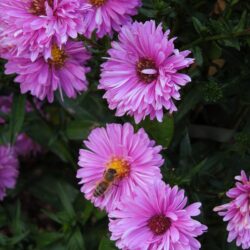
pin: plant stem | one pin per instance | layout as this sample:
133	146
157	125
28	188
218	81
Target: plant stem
217	37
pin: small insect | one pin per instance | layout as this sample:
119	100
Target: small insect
108	178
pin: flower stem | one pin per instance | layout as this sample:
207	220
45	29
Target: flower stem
217	37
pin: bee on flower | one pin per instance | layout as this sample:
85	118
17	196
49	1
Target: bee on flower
117	160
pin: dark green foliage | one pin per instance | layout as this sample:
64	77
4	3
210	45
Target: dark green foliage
206	143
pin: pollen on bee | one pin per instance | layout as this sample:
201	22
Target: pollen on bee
121	166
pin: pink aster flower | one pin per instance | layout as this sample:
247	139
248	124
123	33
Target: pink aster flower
65	72
237	212
5	106
25	146
116	162
141	76
6	42
8	170
157	218
104	16
35	24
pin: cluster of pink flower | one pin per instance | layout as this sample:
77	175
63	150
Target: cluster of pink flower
140	76
37	40
23	147
120	172
120	169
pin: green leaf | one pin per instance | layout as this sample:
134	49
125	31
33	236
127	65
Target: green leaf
233	2
49	138
147	12
3	240
17	238
79	129
198	55
76	241
17	224
87	212
75	108
66	201
232	246
200	168
215	51
106	244
161	132
242	23
185	147
53	216
199	27
45	239
188	103
17	116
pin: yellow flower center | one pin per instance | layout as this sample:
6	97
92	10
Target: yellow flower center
58	57
97	3
121	166
37	7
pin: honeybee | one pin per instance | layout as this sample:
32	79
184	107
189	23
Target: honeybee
108	178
